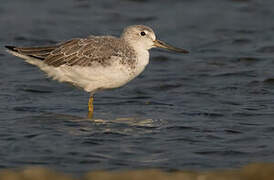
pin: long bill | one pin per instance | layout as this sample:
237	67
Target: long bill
161	44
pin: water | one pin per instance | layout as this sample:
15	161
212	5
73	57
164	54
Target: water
210	109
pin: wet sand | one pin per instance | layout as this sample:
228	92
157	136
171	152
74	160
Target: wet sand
255	171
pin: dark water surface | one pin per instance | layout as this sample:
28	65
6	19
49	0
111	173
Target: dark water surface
213	108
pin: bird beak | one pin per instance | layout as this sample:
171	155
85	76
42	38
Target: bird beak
161	44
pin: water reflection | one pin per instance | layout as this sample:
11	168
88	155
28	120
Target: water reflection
77	125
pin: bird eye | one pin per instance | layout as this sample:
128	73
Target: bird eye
143	33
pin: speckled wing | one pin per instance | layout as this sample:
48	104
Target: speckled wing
86	52
35	52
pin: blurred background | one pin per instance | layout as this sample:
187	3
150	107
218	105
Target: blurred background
212	108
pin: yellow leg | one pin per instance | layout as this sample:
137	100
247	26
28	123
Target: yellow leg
90	107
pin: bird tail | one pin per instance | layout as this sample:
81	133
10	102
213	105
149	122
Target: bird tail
32	55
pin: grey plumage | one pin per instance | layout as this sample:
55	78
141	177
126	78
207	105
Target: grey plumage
83	52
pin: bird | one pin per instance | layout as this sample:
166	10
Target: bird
96	63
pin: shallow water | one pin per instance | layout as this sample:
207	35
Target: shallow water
212	108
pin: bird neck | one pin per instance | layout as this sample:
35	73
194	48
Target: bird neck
141	52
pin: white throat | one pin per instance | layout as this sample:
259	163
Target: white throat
143	59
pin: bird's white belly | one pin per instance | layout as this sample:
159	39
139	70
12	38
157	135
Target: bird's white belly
93	78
